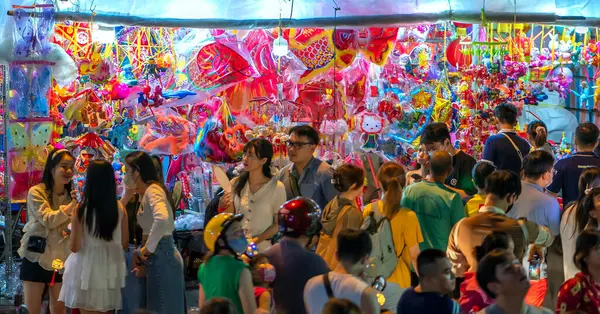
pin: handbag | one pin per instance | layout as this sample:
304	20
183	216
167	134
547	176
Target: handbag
36	244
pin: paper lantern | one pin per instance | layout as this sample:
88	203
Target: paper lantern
455	56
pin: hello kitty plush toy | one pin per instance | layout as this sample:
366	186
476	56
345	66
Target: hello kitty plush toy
371	125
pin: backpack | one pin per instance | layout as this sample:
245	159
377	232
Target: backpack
383	257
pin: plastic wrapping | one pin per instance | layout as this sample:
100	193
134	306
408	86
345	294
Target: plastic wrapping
30	82
168	134
27	155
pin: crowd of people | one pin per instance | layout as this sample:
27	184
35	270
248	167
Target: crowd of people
453	235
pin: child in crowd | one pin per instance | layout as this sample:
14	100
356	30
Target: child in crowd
481	171
263	275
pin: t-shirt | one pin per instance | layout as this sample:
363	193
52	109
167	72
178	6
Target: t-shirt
567	172
406	232
472	297
220	278
294	266
474	204
538	207
438	209
343	286
527	309
461	176
426	302
501	152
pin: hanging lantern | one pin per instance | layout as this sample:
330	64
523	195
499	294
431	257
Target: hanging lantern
456	55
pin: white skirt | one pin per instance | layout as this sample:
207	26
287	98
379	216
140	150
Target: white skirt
93	278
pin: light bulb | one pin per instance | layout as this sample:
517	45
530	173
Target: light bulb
280	46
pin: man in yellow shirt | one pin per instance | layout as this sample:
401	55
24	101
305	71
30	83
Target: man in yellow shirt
481	171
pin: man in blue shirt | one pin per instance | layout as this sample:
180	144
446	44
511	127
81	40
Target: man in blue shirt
436	281
544	210
534	204
506	149
306	176
567	171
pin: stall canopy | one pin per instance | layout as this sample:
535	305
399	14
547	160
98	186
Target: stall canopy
321	13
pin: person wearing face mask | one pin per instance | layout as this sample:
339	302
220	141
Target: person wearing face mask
544	210
502	188
263	275
344	282
257	194
223	274
50	205
502	277
158	260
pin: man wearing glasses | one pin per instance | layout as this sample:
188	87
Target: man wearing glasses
306	176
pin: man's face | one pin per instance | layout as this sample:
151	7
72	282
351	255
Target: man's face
511	278
422	156
444	279
300	148
437	146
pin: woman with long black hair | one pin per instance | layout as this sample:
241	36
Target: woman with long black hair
49	208
257	194
95	272
156	216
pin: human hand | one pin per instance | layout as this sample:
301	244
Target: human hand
225	200
144	254
74	196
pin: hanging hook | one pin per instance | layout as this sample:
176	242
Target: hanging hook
93	7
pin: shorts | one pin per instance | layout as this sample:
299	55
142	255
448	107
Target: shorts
33	272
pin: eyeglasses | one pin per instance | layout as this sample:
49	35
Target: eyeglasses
297	145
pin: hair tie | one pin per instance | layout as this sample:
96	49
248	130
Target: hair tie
588	190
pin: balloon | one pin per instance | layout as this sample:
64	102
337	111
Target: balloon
119	91
455	56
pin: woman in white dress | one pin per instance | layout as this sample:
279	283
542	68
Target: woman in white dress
95	272
257	194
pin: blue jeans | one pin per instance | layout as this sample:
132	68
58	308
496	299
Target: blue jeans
134	293
165	285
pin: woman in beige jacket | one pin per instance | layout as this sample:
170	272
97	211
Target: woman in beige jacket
45	244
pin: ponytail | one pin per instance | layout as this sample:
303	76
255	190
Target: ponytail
393	195
392	177
541	136
538	133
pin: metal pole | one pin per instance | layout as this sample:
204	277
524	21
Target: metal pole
8	222
322	22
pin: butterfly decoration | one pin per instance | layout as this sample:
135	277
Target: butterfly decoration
29	88
33	34
27	155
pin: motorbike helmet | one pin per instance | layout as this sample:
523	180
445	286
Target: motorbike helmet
300	216
217	227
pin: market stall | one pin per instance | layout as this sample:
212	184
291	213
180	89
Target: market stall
193	81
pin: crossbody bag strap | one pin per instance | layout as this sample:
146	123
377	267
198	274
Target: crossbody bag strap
327	285
515	146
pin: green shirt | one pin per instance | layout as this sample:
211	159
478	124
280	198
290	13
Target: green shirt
438	209
220	278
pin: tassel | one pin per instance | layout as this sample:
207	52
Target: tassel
57	265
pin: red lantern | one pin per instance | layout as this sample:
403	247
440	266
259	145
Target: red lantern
455	56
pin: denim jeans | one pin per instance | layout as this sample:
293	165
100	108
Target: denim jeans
165	285
134	293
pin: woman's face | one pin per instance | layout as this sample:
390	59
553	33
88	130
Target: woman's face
234	231
131	176
63	171
251	161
